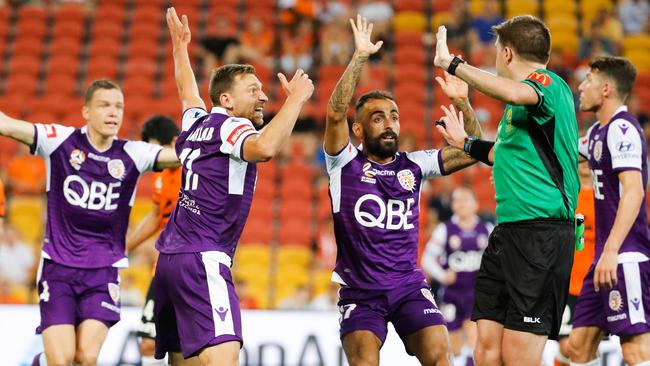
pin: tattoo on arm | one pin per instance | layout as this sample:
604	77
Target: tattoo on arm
344	91
454	159
472	125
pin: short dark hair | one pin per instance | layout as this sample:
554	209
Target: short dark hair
161	128
527	35
619	69
374	94
96	85
223	78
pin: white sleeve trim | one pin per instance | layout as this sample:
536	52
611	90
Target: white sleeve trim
234	131
191	115
143	154
428	161
48	137
333	162
625	146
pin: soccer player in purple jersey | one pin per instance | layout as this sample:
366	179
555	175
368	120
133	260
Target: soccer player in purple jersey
91	180
375	192
196	309
615	296
453	257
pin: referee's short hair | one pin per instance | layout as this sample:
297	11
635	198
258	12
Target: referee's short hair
527	35
618	69
223	79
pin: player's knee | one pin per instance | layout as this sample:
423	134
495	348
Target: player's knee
60	358
85	358
147	347
486	355
564	347
632	353
579	350
363	359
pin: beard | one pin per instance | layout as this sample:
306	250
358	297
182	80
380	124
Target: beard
383	150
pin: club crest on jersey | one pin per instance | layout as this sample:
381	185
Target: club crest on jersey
454	242
116	168
406	179
429	296
598	150
615	301
77	157
114	292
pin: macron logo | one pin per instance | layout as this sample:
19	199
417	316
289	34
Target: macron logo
528	319
623	128
237	132
222	312
636	302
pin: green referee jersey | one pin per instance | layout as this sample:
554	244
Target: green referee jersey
524	188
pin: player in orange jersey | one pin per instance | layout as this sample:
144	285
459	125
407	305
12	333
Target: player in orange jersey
163	131
581	262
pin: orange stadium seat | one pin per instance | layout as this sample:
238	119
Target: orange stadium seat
32	12
42	117
139	66
409	21
411	73
257	231
22	84
101	67
150	31
296	232
440	6
138	85
296	208
105	48
410	5
410	55
520	7
68	29
32	27
107	29
408	38
65	46
562	23
413	91
62	64
25	45
558	7
62	84
148	13
111	12
143	48
70	12
637	42
51	102
297	171
253	254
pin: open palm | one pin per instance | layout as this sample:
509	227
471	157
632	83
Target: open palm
454	87
362	31
178	29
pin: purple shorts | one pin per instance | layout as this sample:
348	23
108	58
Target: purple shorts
456	307
409	307
68	295
623	310
195	304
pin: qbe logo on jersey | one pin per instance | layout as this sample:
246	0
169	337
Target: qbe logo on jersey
93	196
371	211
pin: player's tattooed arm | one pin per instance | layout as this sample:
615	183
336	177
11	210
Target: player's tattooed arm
336	127
188	90
453	157
16	129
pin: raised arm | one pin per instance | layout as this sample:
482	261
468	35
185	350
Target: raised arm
16	129
179	31
503	89
458	91
336	126
269	142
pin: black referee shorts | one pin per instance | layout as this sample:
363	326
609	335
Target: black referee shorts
523	281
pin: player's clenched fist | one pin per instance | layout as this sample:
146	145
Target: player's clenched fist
300	87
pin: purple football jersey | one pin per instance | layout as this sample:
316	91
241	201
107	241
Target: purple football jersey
462	252
615	147
376	210
217	184
89	194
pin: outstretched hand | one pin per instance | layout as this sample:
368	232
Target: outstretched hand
362	31
443	57
300	86
179	29
453	129
454	87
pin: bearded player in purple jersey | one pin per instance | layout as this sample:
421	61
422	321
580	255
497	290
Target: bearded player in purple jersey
91	180
453	257
375	193
615	296
196	311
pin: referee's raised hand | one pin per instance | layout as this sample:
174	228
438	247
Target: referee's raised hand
362	31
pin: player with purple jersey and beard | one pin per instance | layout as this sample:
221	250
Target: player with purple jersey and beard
615	296
196	308
91	180
375	193
453	257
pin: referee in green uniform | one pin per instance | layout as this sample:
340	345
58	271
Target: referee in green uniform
523	282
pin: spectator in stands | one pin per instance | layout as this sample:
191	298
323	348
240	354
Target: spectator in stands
378	12
257	42
25	173
611	26
16	258
483	23
246	299
220	47
634	15
333	9
297	44
596	43
327	300
458	27
335	43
